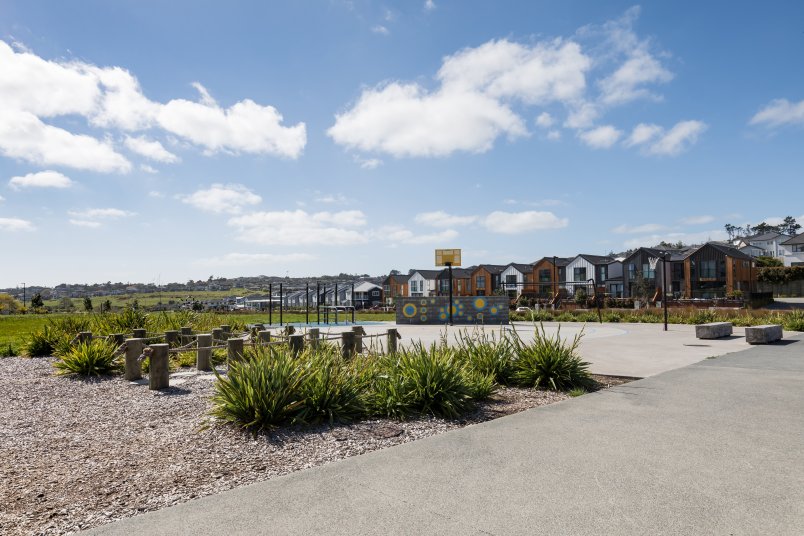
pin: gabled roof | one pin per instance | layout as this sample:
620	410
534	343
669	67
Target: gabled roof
366	286
723	248
763	236
675	254
560	261
457	273
594	259
798	239
494	269
521	268
427	274
399	279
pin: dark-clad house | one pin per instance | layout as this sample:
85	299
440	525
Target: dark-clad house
461	282
716	270
640	280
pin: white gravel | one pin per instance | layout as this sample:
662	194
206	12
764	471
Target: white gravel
76	453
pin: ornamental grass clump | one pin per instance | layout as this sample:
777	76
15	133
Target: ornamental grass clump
422	380
260	392
486	355
332	390
794	321
92	358
550	362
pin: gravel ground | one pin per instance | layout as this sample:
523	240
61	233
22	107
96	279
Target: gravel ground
81	453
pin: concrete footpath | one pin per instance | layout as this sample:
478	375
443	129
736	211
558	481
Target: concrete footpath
712	448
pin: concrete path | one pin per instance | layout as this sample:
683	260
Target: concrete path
711	448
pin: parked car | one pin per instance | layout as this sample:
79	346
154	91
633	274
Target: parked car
523	309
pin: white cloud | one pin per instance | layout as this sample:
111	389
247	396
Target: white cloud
42	179
645	228
643	133
245	259
780	112
628	81
367	163
582	115
697	220
15	224
26	137
33	88
380	29
686	238
222	198
298	227
156	194
442	219
554	135
149	169
545	120
679	138
602	137
331	199
150	149
85	223
2	198
101	213
429	5
522	222
244	127
471	107
397	234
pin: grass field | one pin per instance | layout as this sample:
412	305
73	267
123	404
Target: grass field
15	329
149	299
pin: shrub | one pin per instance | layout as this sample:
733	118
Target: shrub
332	390
261	391
486	355
92	358
425	381
550	362
794	321
611	317
8	350
702	317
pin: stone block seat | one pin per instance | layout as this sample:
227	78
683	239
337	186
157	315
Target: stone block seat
713	330
763	334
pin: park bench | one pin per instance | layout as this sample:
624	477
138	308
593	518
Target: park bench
763	334
713	330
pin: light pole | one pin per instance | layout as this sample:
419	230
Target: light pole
449	267
664	286
23	295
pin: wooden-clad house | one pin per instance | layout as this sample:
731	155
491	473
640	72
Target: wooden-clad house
548	277
486	279
716	270
461	282
395	286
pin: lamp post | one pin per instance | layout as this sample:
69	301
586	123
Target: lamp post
23	295
555	277
664	286
449	267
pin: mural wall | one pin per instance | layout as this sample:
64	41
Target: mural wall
490	310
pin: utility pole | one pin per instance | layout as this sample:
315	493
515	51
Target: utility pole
449	267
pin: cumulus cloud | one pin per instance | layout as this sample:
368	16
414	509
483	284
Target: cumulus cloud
602	137
697	220
246	259
367	163
151	149
471	107
522	222
15	224
330	199
645	228
380	29
91	224
780	112
643	133
442	219
101	213
429	5
42	179
33	89
397	234
298	227
545	120
628	82
656	141
222	198
686	238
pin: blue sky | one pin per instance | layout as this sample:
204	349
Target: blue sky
155	142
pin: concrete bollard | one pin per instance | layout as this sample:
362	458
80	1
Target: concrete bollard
158	374
133	364
314	335
234	349
264	336
259	327
203	359
226	328
296	344
85	337
217	335
359	332
139	333
347	344
393	336
172	338
117	339
186	335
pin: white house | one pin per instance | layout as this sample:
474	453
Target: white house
422	283
762	245
793	251
367	295
515	277
585	267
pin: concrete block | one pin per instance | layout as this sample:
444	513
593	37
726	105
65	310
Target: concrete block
763	334
713	330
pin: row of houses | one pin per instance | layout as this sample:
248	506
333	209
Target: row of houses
788	249
360	295
714	269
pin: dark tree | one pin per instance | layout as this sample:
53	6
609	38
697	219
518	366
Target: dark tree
36	301
87	304
789	226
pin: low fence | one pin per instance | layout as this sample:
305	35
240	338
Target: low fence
142	345
465	310
794	289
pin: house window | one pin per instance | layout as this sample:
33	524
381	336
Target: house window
545	275
375	292
604	273
480	281
647	273
579	274
708	270
510	279
632	271
798	248
443	285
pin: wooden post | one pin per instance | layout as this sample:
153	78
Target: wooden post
234	349
118	339
226	328
264	336
133	364
203	359
186	334
296	343
158	374
259	327
313	334
140	333
392	338
172	338
358	331
347	344
217	335
85	337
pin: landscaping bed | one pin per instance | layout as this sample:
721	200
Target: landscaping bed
79	453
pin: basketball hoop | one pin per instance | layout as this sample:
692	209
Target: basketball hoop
653	261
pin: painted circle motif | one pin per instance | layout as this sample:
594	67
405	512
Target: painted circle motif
494	310
479	304
409	310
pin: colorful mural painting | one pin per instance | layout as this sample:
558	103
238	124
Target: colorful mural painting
491	310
